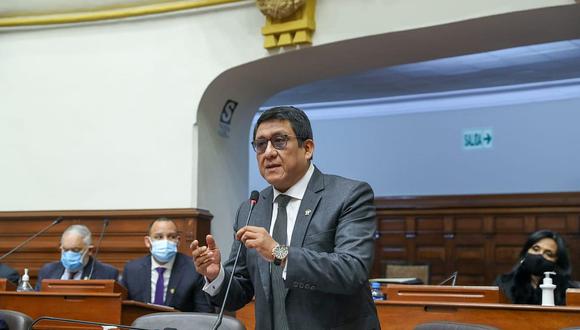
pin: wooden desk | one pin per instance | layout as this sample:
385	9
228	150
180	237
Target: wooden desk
573	297
411	305
96	307
6	285
470	294
403	315
406	315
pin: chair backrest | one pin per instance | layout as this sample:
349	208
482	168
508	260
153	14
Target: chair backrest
15	320
445	325
417	271
184	321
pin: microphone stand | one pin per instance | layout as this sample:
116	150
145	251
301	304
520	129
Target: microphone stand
55	222
50	318
453	276
105	224
218	322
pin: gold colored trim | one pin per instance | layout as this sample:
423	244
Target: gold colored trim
109	14
294	30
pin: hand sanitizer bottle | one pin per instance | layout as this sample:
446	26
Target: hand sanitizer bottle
24	284
548	288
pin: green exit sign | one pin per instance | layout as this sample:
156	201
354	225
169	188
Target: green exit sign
477	139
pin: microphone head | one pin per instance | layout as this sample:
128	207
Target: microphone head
58	220
254	197
106	221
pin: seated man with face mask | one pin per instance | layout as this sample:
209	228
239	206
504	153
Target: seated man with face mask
165	277
76	262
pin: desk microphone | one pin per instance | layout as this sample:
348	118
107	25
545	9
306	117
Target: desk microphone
453	276
105	224
55	222
101	324
253	200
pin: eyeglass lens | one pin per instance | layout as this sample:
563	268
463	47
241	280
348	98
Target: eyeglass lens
278	141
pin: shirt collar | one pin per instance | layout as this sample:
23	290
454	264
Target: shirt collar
299	188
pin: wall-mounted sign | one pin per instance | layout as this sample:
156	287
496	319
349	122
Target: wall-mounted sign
226	118
477	139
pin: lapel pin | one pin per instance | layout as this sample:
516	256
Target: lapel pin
307	212
172	290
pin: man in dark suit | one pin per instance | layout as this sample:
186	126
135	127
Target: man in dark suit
8	273
76	261
165	277
309	246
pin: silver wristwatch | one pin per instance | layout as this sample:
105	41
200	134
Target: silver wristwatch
279	252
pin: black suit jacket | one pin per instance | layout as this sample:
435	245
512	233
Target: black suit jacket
9	273
54	270
184	289
330	257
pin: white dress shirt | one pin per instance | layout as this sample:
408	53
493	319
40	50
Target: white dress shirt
297	193
155	275
67	275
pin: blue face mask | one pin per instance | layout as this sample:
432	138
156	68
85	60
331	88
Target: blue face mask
163	250
72	261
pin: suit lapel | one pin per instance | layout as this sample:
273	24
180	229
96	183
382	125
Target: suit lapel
308	207
58	271
176	274
263	218
87	268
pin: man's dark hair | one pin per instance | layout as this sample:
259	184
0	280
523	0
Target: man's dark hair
159	220
297	118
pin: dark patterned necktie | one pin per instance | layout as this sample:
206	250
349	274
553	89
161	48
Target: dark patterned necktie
280	234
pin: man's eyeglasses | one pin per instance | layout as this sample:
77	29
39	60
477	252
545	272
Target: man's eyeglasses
278	141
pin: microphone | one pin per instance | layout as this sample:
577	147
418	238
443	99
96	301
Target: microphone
253	200
105	224
453	276
103	325
55	222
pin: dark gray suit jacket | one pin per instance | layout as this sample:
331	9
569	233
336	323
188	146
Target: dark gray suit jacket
184	288
54	270
330	257
9	273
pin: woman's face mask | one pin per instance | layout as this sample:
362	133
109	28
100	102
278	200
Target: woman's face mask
72	261
163	249
536	264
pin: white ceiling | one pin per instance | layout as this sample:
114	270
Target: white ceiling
513	66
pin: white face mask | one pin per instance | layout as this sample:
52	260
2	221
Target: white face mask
163	249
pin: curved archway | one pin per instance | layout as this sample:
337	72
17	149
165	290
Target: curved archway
222	171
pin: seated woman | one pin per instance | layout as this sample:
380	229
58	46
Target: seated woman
544	251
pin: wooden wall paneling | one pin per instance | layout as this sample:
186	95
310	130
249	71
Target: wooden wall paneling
449	235
391	243
410	239
510	224
555	222
123	240
481	236
489	259
530	224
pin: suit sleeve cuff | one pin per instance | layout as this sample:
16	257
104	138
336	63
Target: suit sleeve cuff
214	287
